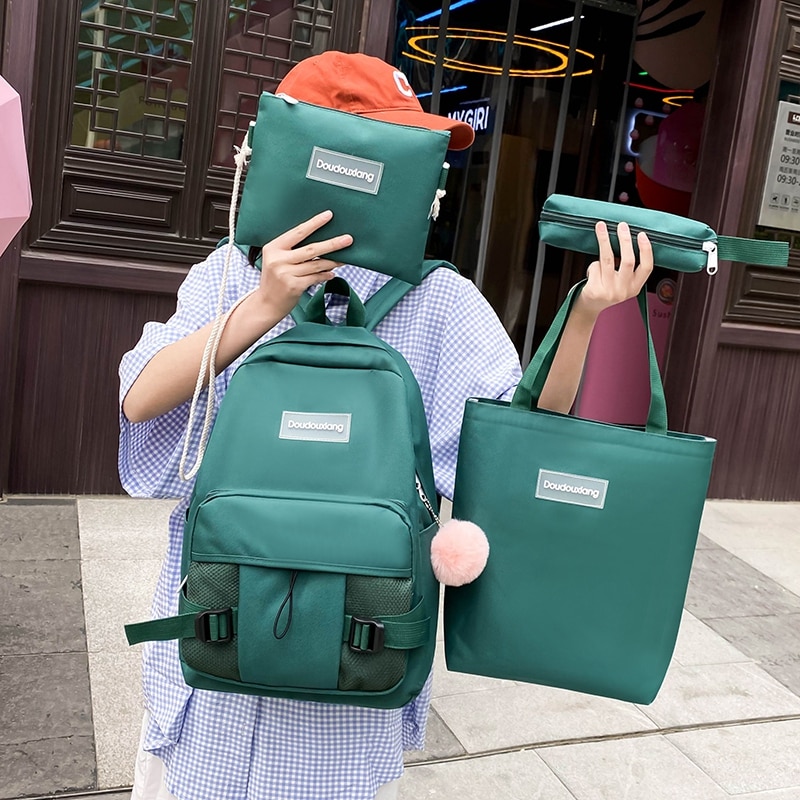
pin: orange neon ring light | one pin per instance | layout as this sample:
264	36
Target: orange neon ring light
493	36
672	99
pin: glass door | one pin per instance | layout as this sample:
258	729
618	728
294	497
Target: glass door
544	85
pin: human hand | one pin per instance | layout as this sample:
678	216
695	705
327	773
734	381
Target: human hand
608	283
288	270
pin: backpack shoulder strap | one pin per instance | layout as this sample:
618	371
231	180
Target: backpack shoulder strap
393	291
379	305
298	313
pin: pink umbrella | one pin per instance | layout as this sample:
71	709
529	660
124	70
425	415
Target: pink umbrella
15	185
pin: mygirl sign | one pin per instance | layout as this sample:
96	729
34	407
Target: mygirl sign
477	113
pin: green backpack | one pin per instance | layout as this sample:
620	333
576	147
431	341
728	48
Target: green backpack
306	551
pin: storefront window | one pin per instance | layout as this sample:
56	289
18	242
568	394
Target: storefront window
132	76
546	119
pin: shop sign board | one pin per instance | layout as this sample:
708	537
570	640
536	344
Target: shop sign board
477	113
780	203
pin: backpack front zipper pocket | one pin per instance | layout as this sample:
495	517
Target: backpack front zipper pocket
297	590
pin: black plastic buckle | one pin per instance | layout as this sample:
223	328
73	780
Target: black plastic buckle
377	635
202	625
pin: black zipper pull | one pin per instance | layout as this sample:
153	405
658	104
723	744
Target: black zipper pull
290	600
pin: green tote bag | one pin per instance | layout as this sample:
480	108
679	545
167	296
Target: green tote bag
592	529
383	181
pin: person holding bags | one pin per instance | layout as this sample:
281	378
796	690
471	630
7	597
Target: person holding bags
201	745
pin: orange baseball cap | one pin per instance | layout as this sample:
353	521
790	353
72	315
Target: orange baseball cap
370	87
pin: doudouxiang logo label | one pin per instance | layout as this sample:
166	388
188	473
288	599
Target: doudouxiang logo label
315	427
341	169
578	490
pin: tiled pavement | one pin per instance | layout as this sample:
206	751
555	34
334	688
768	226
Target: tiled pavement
725	724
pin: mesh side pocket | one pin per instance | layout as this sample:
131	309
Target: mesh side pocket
213	586
372	597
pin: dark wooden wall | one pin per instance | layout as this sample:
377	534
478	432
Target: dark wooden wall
66	317
733	369
65	425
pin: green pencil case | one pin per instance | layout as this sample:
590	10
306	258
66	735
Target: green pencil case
679	243
383	181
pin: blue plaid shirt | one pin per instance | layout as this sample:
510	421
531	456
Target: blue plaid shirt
220	746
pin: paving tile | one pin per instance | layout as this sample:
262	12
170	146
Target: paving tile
44	696
780	564
719	693
126	795
440	742
755	513
449	683
42	607
646	768
117	708
44	766
746	758
774	642
114	594
723	585
525	714
123	527
737	536
39	532
510	776
714	511
704	543
698	644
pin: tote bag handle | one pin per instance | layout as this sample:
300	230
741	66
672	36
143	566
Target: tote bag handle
530	387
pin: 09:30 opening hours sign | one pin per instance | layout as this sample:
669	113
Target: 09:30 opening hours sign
780	204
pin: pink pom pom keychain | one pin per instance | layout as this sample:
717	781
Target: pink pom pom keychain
459	552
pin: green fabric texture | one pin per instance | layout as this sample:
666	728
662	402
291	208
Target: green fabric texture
373	597
284	187
568	222
213	586
313	534
592	529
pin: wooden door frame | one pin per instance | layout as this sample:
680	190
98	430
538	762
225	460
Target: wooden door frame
742	92
18	60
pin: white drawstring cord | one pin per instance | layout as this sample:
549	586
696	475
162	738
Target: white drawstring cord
208	362
436	205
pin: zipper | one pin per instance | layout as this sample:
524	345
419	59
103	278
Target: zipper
710	248
426	502
388	504
712	264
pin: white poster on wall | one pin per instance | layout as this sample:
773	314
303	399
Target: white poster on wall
780	205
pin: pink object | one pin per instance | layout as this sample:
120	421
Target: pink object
616	379
459	552
15	186
677	147
652	193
